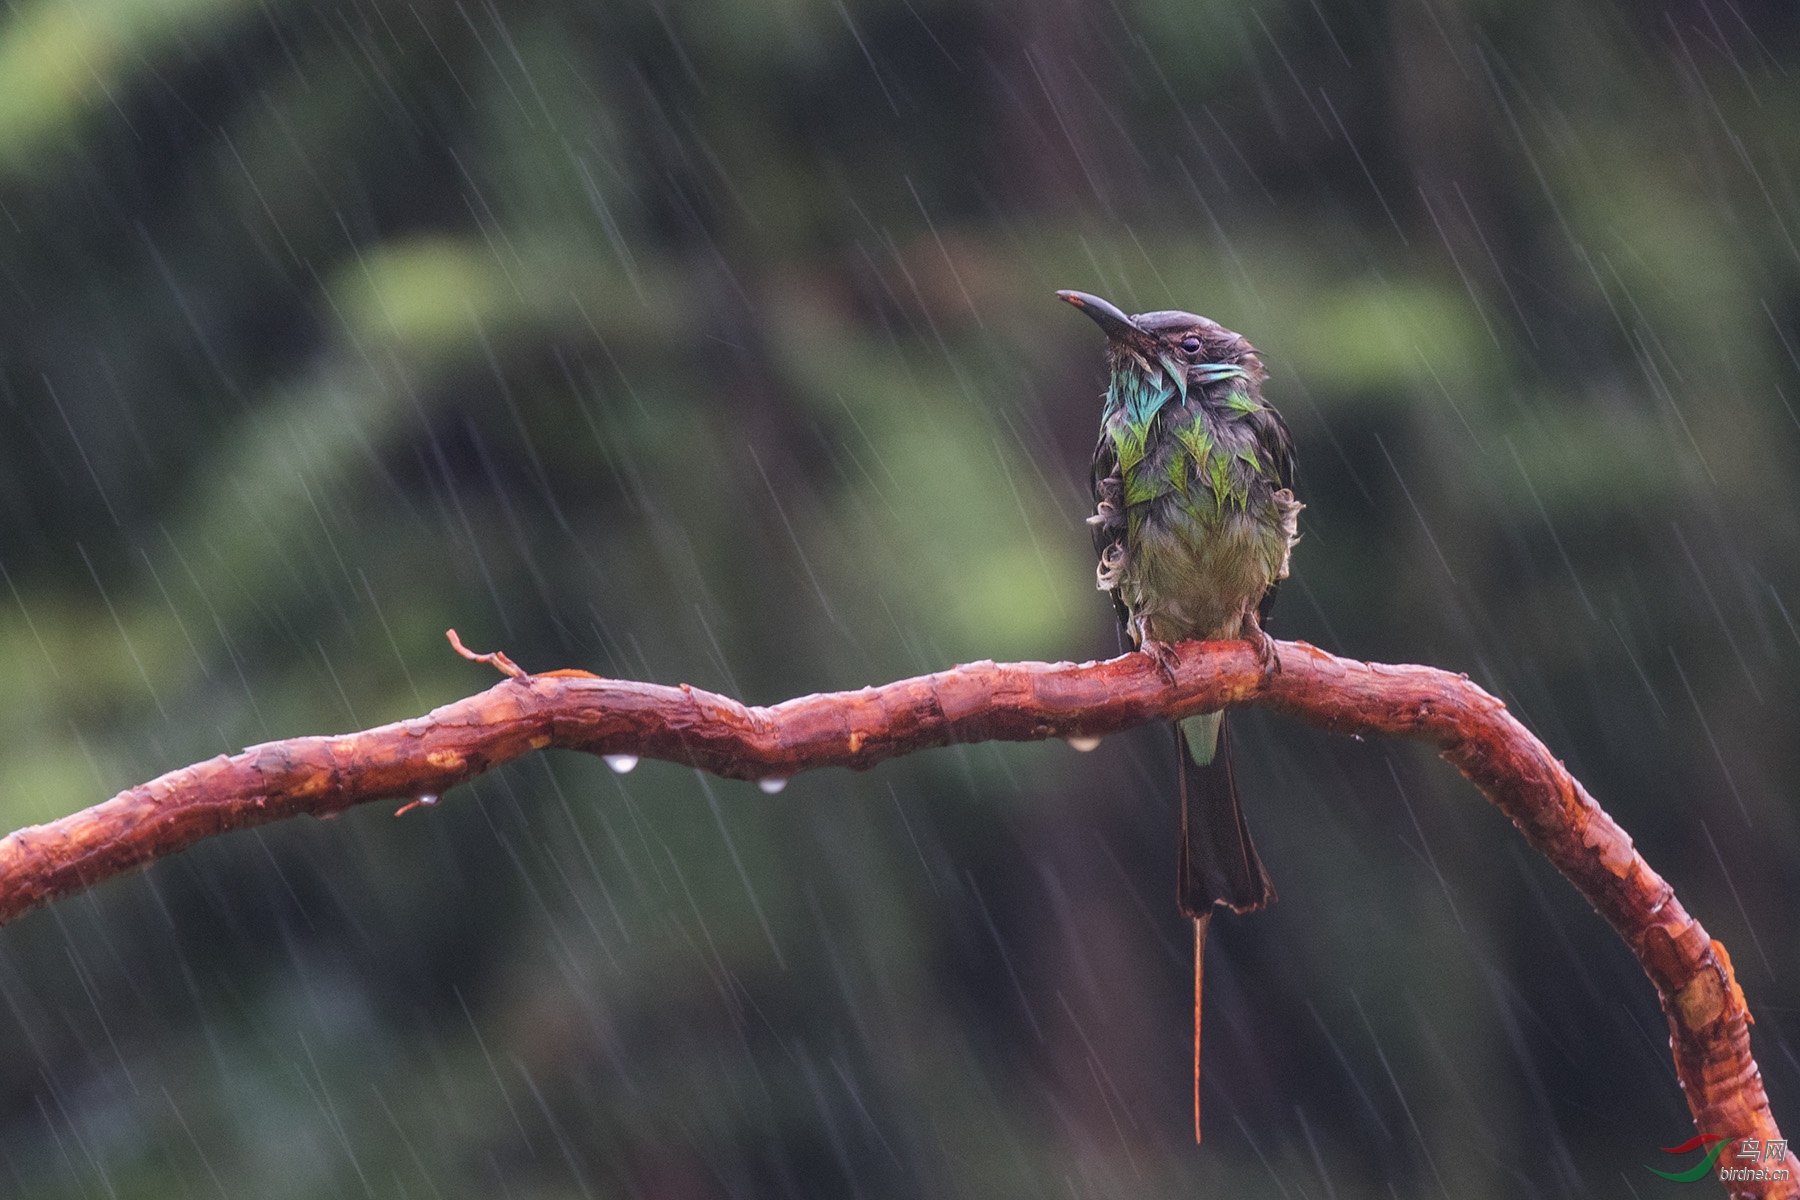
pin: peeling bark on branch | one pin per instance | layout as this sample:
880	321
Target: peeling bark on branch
977	702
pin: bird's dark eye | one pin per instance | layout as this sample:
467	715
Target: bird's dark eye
1191	344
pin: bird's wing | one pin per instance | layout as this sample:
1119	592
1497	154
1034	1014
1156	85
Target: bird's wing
1274	444
1107	525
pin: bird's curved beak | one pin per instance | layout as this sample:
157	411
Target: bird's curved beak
1105	314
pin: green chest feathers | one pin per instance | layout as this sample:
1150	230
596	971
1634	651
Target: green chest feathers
1179	452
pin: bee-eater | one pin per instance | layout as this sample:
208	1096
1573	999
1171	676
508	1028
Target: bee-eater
1194	522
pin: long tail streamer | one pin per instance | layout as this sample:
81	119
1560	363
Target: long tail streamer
1200	924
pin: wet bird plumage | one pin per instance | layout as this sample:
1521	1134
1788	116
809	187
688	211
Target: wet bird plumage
1194	524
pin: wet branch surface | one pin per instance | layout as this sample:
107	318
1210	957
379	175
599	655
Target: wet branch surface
421	758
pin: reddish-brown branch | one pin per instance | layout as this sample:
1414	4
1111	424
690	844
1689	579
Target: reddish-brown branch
981	701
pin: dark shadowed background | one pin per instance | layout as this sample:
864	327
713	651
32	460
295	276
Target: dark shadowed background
713	341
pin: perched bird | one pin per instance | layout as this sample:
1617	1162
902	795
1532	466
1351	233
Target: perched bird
1194	521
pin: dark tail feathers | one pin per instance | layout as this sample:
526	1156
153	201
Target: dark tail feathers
1219	863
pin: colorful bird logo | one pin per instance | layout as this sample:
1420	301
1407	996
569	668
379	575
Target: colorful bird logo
1706	1164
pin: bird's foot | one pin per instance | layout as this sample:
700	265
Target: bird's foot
1164	656
1264	646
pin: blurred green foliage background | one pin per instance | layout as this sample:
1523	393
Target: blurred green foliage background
707	341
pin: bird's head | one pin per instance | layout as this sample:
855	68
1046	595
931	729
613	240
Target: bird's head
1190	349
